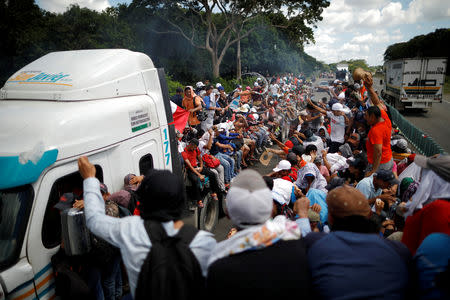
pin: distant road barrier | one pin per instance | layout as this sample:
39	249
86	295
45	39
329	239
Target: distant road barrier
416	137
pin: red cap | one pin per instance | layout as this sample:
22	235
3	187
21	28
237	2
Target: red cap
289	144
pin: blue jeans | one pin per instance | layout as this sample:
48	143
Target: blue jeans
230	160
112	280
227	169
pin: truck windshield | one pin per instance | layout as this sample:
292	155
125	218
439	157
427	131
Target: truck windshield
15	206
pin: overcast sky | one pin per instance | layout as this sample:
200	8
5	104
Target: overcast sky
350	29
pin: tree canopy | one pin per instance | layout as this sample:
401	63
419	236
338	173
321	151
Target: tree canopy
271	42
434	44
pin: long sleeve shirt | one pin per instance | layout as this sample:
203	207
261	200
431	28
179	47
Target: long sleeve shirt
130	236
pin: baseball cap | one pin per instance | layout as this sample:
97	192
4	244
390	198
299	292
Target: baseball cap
402	144
103	188
313	216
249	200
439	164
347	201
387	176
65	201
256	84
345	150
334	183
199	84
282	165
218	85
338	107
336	81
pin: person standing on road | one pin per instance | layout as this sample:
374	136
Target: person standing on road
162	200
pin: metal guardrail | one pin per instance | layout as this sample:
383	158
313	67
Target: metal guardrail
416	137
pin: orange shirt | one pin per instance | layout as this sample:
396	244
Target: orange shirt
189	104
385	116
379	134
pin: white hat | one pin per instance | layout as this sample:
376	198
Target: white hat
282	190
246	106
258	79
341	96
249	200
253	109
256	84
303	113
222	126
338	107
243	109
336	81
256	116
282	165
199	84
218	84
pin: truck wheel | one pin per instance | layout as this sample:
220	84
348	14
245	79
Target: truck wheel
209	214
223	207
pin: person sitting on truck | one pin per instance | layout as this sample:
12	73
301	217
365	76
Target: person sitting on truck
256	259
162	203
193	104
178	97
197	171
378	144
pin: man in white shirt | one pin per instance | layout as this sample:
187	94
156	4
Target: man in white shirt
338	121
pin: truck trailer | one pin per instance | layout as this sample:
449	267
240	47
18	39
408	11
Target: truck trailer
414	82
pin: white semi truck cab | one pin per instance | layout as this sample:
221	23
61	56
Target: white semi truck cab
110	105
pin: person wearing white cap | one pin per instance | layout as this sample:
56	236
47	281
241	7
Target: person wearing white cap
338	121
283	168
258	257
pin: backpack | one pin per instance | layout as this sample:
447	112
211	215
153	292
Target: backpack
210	161
170	271
202	115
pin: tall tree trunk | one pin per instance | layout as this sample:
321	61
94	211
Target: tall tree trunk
215	64
238	61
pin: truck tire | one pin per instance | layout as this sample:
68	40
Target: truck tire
209	214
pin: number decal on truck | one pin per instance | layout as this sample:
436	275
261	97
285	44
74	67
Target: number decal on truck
166	148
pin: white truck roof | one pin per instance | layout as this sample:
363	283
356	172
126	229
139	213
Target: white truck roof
80	75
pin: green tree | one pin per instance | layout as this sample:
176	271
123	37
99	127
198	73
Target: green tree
197	22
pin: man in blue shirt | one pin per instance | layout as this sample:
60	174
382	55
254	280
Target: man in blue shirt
178	97
353	261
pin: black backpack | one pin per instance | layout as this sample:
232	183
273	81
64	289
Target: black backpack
170	271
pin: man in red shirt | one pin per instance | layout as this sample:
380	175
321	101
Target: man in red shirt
378	144
196	171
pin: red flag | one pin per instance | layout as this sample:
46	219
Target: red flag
180	117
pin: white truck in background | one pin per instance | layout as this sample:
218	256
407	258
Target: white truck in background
342	72
110	105
414	82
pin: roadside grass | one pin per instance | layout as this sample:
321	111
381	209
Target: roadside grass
447	85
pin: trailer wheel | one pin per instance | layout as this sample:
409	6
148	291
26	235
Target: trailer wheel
209	214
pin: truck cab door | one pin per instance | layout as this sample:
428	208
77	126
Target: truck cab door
44	238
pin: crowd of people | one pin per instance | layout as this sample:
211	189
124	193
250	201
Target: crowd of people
348	211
